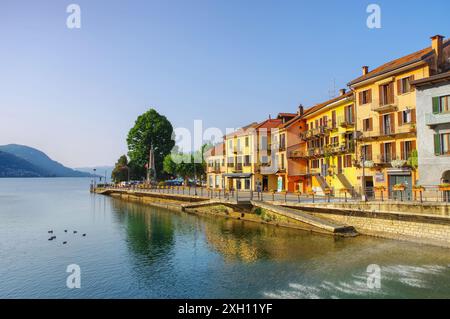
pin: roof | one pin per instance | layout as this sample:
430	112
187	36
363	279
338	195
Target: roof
331	101
270	124
395	64
432	80
242	131
216	150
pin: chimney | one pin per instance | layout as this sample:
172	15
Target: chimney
300	110
436	45
342	92
365	70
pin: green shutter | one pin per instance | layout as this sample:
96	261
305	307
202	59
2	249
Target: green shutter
435	105
437	144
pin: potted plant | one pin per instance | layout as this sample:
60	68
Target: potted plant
398	163
445	187
418	188
327	190
399	187
369	164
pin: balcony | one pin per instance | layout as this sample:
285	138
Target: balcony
381	106
346	122
432	119
237	168
296	154
385	159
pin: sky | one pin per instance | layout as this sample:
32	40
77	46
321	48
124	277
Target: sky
75	93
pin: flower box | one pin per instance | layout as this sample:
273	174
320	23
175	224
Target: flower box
380	188
444	187
399	187
418	188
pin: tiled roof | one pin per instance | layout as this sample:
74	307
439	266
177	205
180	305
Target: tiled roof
270	124
242	131
321	105
216	150
435	79
395	64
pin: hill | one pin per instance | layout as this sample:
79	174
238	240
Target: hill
46	167
13	166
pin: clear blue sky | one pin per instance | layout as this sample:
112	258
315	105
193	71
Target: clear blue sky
75	93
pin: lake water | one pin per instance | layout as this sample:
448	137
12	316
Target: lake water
136	251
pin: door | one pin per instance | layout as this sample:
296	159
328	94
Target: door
368	186
400	179
339	168
265	183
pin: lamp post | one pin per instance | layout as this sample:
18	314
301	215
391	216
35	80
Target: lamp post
95	177
363	178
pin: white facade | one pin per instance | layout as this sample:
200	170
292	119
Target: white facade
433	169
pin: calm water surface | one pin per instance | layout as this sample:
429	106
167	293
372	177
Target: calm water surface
135	251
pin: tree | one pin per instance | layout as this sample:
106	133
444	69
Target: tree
186	165
120	171
150	129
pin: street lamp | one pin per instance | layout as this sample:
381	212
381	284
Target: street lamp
363	178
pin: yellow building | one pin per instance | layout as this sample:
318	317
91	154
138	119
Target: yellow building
330	145
240	159
215	166
386	121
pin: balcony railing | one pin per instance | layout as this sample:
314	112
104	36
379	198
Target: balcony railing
346	122
385	106
432	119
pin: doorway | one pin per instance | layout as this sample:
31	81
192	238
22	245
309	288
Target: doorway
265	183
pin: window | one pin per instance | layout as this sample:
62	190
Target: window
247	160
230	145
367	125
263	145
441	104
404	85
387	124
315	164
349	114
348	161
442	144
239	145
366	152
282	163
246	141
282	141
210	181
407	116
333	119
264	160
247	183
406	148
387	93
365	97
387	151
217	181
335	140
230	161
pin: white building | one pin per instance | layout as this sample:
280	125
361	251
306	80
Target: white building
433	129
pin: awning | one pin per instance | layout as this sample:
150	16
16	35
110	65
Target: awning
398	171
238	175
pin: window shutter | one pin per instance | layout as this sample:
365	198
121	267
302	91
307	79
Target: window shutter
382	152
369	96
391	92
435	105
437	144
411	87
399	87
394	150
369	151
364	125
353	113
380	95
381	124
361	98
400	118
392	122
413	145
370	124
333	119
413	116
402	151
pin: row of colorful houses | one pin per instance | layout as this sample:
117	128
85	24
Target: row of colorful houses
390	127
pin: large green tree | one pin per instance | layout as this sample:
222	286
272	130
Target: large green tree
186	165
120	171
150	129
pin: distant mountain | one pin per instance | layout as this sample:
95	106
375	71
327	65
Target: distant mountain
99	171
13	166
39	161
